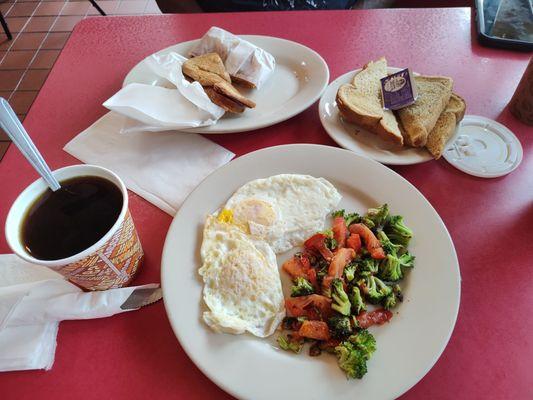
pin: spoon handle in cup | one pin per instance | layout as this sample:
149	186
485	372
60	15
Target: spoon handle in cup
10	123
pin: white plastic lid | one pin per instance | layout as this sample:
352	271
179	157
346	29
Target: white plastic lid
483	147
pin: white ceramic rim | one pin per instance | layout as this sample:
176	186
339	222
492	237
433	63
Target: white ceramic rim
169	271
280	117
21	205
502	130
379	155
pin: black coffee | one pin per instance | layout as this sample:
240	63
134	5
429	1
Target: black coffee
63	223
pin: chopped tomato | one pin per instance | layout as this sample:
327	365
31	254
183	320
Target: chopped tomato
294	268
295	337
372	243
314	330
311	277
377	317
299	266
340	259
339	231
317	242
304	260
329	344
326	283
313	306
354	242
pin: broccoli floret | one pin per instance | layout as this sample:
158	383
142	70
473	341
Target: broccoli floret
397	231
393	298
374	288
330	242
349	271
339	327
377	217
289	345
365	342
338	213
340	303
356	299
302	287
368	222
368	266
351	360
390	268
407	260
353	354
352	218
349	218
388	246
389	301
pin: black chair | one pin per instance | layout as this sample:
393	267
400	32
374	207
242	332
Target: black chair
6	28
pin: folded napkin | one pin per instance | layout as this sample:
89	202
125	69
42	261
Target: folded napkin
155	108
161	167
33	299
242	59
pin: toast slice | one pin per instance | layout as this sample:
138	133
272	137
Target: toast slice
360	103
419	119
445	126
227	89
209	71
225	102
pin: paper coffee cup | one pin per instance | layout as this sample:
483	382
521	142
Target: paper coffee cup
112	262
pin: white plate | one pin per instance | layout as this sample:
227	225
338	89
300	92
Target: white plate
251	368
355	138
300	77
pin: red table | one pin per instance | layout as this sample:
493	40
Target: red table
136	356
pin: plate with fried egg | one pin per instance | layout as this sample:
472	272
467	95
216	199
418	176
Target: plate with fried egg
224	293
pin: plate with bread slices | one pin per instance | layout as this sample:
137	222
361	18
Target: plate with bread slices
297	77
352	113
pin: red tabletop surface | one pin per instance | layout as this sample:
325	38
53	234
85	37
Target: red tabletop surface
136	356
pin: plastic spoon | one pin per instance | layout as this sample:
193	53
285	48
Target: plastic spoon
10	123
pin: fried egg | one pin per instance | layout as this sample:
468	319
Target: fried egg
283	210
242	286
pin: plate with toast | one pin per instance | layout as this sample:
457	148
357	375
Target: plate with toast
352	113
299	78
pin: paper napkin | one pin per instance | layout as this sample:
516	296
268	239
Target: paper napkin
242	59
162	167
33	299
156	108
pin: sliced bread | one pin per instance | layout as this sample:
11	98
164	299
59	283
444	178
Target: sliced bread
445	126
209	71
360	103
419	119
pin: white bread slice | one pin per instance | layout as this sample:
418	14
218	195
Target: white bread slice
418	119
360	103
445	126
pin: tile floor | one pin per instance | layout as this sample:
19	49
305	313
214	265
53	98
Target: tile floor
40	29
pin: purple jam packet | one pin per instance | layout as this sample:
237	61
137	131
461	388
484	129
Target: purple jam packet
398	90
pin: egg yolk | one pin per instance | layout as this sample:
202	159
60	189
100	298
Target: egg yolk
254	210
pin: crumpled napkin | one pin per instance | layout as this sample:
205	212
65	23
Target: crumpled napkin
242	59
161	167
33	299
155	108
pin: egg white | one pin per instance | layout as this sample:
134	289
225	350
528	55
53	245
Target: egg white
242	286
283	210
